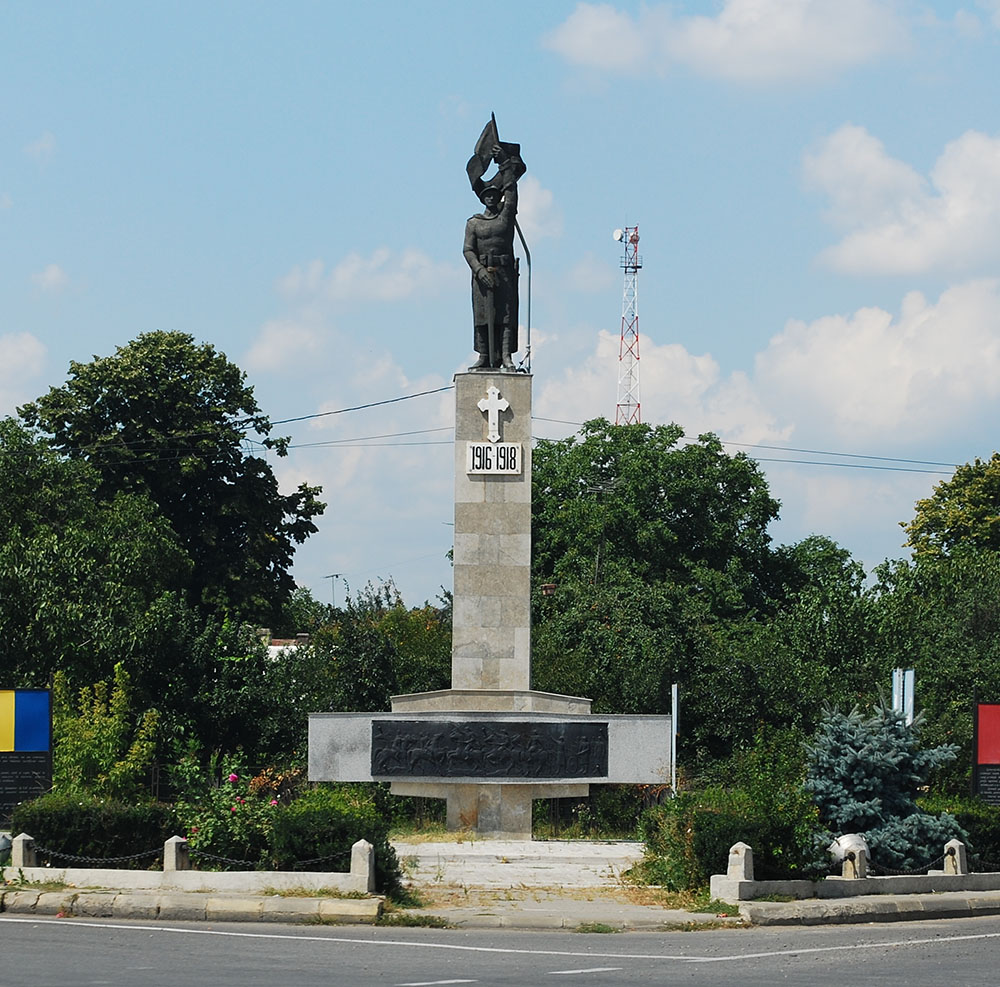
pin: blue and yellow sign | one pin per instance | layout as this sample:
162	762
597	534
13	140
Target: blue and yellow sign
25	720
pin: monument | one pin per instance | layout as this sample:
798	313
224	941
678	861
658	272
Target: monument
490	744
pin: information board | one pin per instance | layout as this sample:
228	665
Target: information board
25	746
986	752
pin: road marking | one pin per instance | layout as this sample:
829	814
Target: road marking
73	923
593	969
434	983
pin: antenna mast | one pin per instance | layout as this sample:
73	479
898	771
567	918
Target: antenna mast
627	412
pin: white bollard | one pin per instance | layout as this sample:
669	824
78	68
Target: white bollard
363	865
740	866
176	855
955	859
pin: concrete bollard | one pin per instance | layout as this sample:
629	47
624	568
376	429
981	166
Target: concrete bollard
740	867
363	865
955	860
855	866
22	851
176	855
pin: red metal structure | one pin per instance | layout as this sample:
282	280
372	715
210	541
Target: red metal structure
628	411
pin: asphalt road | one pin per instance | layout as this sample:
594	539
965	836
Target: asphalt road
61	952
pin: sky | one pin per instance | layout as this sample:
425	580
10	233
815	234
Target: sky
816	185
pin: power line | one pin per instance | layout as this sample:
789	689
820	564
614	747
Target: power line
362	407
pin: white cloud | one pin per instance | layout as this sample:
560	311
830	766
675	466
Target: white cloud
52	278
283	344
41	149
992	8
875	376
22	358
385	275
591	275
896	221
537	214
748	40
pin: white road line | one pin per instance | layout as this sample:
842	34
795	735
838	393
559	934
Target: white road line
673	957
593	969
434	983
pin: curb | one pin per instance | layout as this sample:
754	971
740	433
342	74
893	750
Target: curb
192	906
872	908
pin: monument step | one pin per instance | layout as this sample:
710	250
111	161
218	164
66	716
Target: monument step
517	863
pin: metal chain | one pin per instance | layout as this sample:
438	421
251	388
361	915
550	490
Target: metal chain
221	860
881	869
319	860
73	858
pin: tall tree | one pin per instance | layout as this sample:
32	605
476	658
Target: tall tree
962	512
170	418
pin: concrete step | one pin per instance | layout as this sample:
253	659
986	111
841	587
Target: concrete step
513	864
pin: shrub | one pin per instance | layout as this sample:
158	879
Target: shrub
688	838
87	826
864	774
980	821
327	821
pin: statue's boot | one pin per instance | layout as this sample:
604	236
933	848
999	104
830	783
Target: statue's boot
505	361
481	349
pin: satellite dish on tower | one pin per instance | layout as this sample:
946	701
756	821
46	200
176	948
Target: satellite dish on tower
618	234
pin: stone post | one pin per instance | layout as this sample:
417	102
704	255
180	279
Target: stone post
175	854
363	865
955	860
740	863
855	866
22	851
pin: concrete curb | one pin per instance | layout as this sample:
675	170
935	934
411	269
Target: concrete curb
871	908
192	906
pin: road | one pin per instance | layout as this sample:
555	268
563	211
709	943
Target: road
59	952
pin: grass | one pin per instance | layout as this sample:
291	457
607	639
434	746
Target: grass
596	927
303	892
409	920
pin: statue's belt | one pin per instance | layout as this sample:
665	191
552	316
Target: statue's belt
497	260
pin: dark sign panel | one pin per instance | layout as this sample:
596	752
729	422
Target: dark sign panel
986	753
488	749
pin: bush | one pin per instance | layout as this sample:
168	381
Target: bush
864	775
326	822
86	826
688	838
980	821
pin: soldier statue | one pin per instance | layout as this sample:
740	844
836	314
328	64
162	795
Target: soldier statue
489	252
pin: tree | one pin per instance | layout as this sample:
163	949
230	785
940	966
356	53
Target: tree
631	499
864	773
169	418
84	582
962	512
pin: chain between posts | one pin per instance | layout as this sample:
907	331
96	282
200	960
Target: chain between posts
881	869
74	858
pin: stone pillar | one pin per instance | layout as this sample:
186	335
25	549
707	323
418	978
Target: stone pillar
740	863
955	859
363	865
491	627
175	854
855	866
22	851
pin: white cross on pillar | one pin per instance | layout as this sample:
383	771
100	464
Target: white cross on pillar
492	405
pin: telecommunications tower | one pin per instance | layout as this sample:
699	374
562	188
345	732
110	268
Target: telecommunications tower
627	412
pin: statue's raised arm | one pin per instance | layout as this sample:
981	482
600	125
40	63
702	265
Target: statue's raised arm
489	250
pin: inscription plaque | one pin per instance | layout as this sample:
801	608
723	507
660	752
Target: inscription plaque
498	749
23	775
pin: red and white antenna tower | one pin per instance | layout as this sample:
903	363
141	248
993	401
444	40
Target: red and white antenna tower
627	412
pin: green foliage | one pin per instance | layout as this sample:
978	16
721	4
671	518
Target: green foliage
230	819
98	747
978	819
378	648
330	820
962	513
167	418
89	826
864	773
688	838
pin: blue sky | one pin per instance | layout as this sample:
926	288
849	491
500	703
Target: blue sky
816	185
